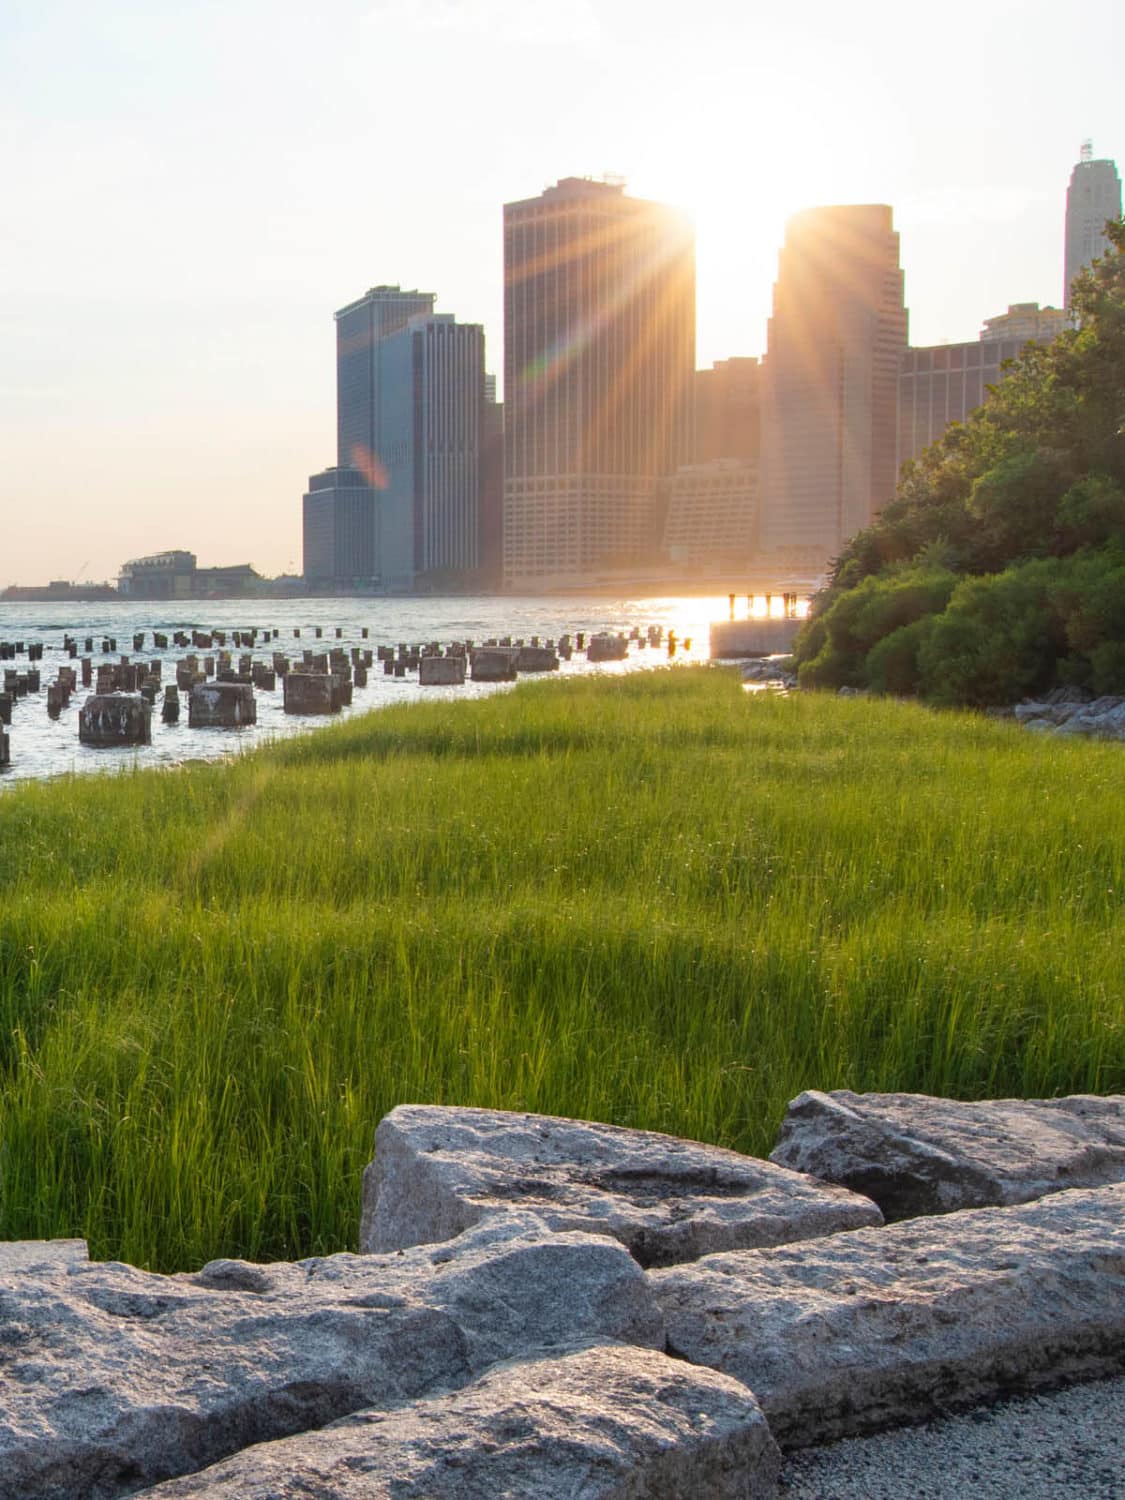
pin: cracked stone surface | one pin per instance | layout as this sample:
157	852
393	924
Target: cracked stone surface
878	1328
608	1423
914	1154
438	1171
112	1378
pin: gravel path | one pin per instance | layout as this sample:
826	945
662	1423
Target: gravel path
1066	1446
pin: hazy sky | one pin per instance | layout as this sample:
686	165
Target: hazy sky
190	189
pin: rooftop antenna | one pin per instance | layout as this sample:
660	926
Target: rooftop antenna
1087	150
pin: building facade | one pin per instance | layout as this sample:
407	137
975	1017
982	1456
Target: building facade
432	384
830	382
599	357
1094	195
492	488
944	384
711	520
728	411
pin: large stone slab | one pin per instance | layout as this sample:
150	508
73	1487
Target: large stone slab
917	1155
438	1171
630	1424
111	1378
876	1328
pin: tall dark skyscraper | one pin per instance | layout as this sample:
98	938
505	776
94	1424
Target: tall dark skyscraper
599	357
360	327
1094	195
403	505
830	382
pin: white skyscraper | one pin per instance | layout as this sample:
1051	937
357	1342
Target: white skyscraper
1094	195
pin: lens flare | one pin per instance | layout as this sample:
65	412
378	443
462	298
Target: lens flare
370	465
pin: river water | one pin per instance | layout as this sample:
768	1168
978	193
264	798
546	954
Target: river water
43	747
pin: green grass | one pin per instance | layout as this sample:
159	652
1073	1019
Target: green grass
656	901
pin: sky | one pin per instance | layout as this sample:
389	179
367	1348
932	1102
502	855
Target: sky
190	190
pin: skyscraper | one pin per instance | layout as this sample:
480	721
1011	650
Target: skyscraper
360	327
830	381
340	531
431	381
599	356
404	499
1094	195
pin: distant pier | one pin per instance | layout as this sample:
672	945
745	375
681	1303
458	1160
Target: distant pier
763	632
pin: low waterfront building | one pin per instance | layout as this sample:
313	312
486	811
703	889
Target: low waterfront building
175	575
162	575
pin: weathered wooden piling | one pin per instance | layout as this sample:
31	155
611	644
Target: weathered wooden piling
170	711
222	705
441	671
606	647
536	658
308	692
494	664
107	719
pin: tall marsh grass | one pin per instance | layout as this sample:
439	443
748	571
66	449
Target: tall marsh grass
654	900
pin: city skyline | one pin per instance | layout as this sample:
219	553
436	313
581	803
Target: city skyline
182	221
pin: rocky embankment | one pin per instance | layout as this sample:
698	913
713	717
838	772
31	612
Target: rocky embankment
1069	710
550	1308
